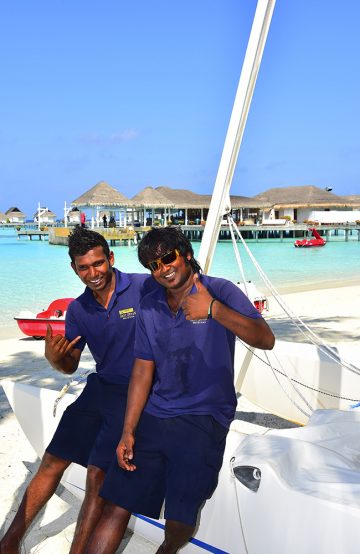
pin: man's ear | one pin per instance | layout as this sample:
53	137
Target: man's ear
74	267
111	258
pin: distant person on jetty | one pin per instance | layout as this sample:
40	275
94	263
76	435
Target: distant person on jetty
182	386
104	221
103	317
83	219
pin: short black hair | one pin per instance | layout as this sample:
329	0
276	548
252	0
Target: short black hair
160	240
81	240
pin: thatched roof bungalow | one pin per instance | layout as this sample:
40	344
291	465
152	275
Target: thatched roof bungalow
46	217
353	199
196	206
301	197
102	197
303	204
189	207
151	198
151	206
3	217
14	215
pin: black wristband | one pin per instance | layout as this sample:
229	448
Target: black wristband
209	316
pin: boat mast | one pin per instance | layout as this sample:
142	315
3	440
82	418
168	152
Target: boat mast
220	202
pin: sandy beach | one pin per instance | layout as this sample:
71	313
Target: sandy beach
333	313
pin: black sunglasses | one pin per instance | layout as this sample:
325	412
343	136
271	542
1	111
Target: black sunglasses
168	258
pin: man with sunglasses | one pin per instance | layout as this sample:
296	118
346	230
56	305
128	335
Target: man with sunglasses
103	317
182	387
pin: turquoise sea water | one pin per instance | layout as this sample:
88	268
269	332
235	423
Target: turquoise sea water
33	273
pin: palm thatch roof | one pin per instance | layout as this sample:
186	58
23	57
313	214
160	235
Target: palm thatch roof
238	202
151	198
45	212
102	194
182	198
302	197
353	200
14	211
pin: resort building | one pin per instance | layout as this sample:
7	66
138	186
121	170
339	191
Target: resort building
102	198
15	216
163	205
73	216
3	217
150	207
44	216
306	204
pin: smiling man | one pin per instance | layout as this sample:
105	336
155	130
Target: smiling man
181	397
103	317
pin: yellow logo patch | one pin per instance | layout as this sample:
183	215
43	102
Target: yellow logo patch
127	313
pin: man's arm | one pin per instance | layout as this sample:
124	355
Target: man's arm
61	353
139	389
254	332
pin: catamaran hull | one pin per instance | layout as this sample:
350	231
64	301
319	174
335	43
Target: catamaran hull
236	520
317	382
219	530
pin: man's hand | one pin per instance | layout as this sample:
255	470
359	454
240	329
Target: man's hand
196	306
57	347
124	452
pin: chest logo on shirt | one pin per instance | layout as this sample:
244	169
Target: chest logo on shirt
127	313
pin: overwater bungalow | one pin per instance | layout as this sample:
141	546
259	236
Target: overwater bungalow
15	216
44	216
161	205
103	197
303	204
151	207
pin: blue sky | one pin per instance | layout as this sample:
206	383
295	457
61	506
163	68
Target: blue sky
139	93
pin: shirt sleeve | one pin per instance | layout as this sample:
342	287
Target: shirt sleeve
72	329
142	347
234	298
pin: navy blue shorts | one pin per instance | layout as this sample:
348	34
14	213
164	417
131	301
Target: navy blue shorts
90	428
177	459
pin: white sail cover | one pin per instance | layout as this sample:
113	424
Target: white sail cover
321	459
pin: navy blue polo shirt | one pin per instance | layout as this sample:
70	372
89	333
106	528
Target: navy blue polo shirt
110	333
194	359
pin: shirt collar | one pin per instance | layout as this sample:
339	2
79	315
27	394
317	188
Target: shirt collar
122	282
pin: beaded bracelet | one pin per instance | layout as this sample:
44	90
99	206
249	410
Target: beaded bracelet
209	315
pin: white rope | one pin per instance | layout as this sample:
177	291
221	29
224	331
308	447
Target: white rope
288	378
237	254
301	325
293	386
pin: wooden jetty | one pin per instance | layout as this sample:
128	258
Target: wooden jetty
130	235
114	235
31	233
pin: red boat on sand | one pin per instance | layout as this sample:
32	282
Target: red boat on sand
35	325
315	240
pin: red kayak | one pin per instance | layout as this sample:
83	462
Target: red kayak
315	240
35	325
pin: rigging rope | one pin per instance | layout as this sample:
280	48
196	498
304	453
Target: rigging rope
327	350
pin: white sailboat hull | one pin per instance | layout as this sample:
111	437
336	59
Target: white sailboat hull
323	383
277	519
218	532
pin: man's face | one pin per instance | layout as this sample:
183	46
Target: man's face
94	268
175	274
